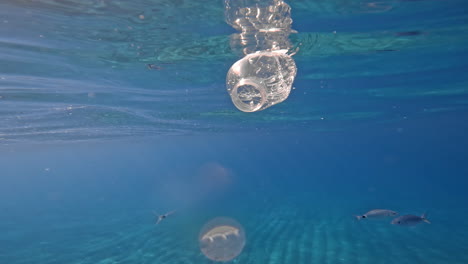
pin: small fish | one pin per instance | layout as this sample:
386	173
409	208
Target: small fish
152	66
409	33
377	213
386	50
163	216
410	220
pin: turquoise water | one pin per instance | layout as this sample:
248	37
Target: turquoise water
92	141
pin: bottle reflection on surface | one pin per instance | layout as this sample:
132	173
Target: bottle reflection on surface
264	77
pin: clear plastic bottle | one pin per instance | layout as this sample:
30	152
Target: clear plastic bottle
261	79
265	75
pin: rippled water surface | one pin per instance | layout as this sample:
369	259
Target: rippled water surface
78	69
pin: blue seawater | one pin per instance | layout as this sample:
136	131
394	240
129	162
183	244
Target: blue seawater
93	141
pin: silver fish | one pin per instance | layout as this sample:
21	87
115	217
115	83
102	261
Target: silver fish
377	213
410	220
163	216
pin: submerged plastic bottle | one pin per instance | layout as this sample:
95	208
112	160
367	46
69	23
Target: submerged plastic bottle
264	77
260	80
